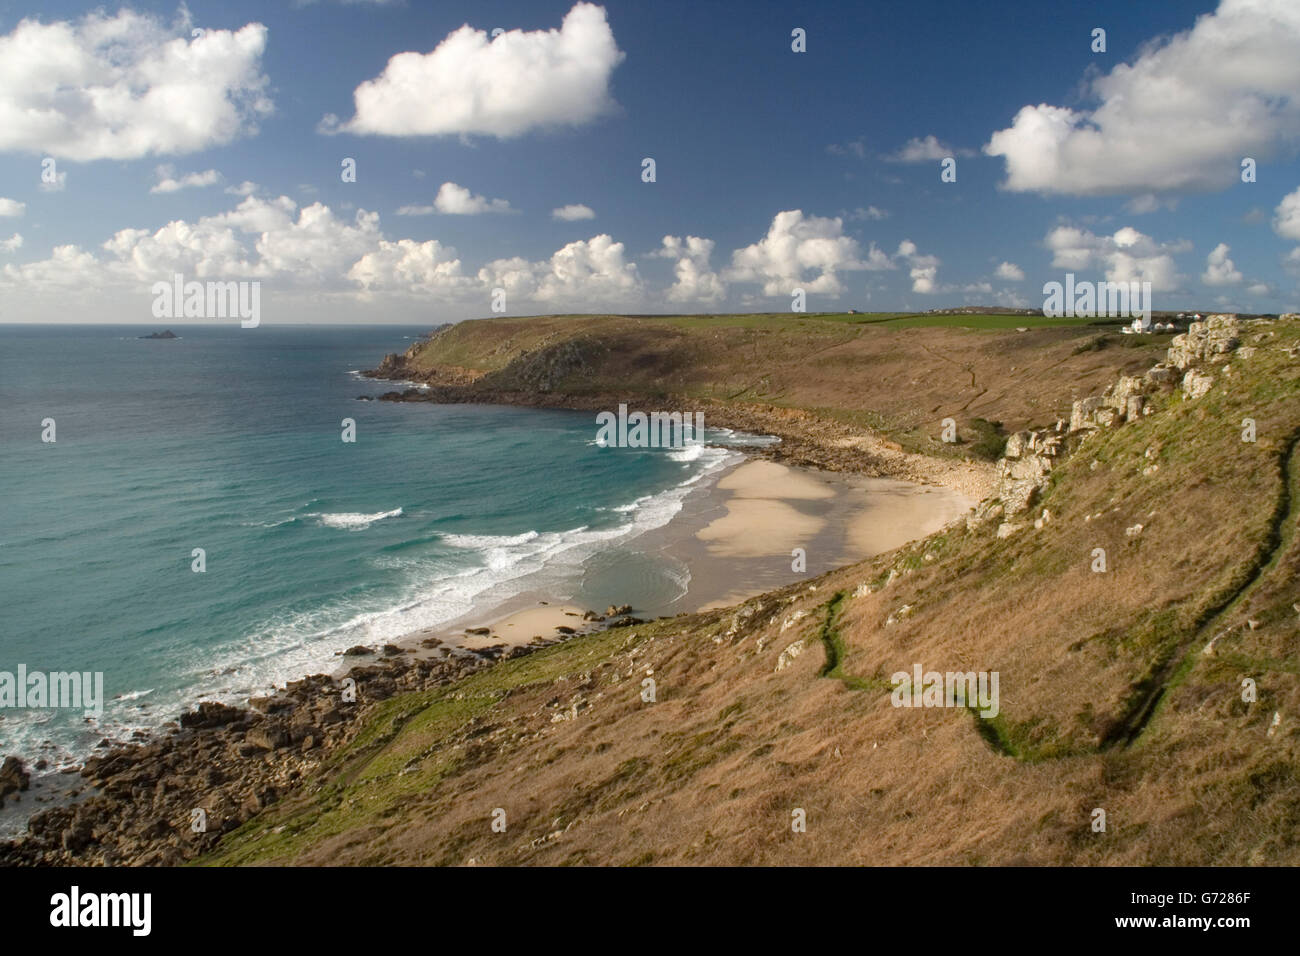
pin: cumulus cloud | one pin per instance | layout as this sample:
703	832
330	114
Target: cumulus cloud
795	246
922	150
695	280
453	200
11	207
309	246
168	182
503	87
1126	256
128	86
410	266
573	212
1219	269
1286	217
1180	117
1291	261
11	244
585	273
1010	272
923	270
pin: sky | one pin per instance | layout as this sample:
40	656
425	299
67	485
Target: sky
407	162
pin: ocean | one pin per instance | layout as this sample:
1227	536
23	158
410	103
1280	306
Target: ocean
229	440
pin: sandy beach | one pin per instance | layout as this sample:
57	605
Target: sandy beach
735	537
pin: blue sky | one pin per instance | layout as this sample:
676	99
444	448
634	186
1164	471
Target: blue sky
787	168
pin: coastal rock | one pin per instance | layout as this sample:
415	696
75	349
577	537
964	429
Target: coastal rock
1196	384
219	759
270	705
616	610
13	777
1081	413
1205	341
792	620
267	737
789	654
211	713
1023	471
1161	374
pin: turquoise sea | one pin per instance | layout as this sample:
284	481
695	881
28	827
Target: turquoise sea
229	440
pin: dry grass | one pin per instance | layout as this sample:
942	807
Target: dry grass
710	773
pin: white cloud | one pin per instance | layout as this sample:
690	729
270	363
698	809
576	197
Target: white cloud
245	188
127	86
795	245
1219	269
504	87
169	183
410	266
11	244
1286	218
1180	117
11	207
870	214
57	185
921	151
453	200
695	280
587	273
923	270
308	246
1010	272
1126	256
573	212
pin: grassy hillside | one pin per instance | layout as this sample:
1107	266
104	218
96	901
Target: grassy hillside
898	376
1120	691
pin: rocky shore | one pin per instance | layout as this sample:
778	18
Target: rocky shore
167	800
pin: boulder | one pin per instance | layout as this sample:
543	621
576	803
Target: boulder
1082	412
267	737
13	777
211	713
789	654
1196	384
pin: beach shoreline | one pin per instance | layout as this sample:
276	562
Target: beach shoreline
774	516
754	526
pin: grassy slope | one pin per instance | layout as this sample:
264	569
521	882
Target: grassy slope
710	772
898	375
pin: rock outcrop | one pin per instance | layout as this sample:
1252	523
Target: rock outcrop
1207	341
1026	464
13	777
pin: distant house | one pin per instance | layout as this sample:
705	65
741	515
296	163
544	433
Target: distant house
853	311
